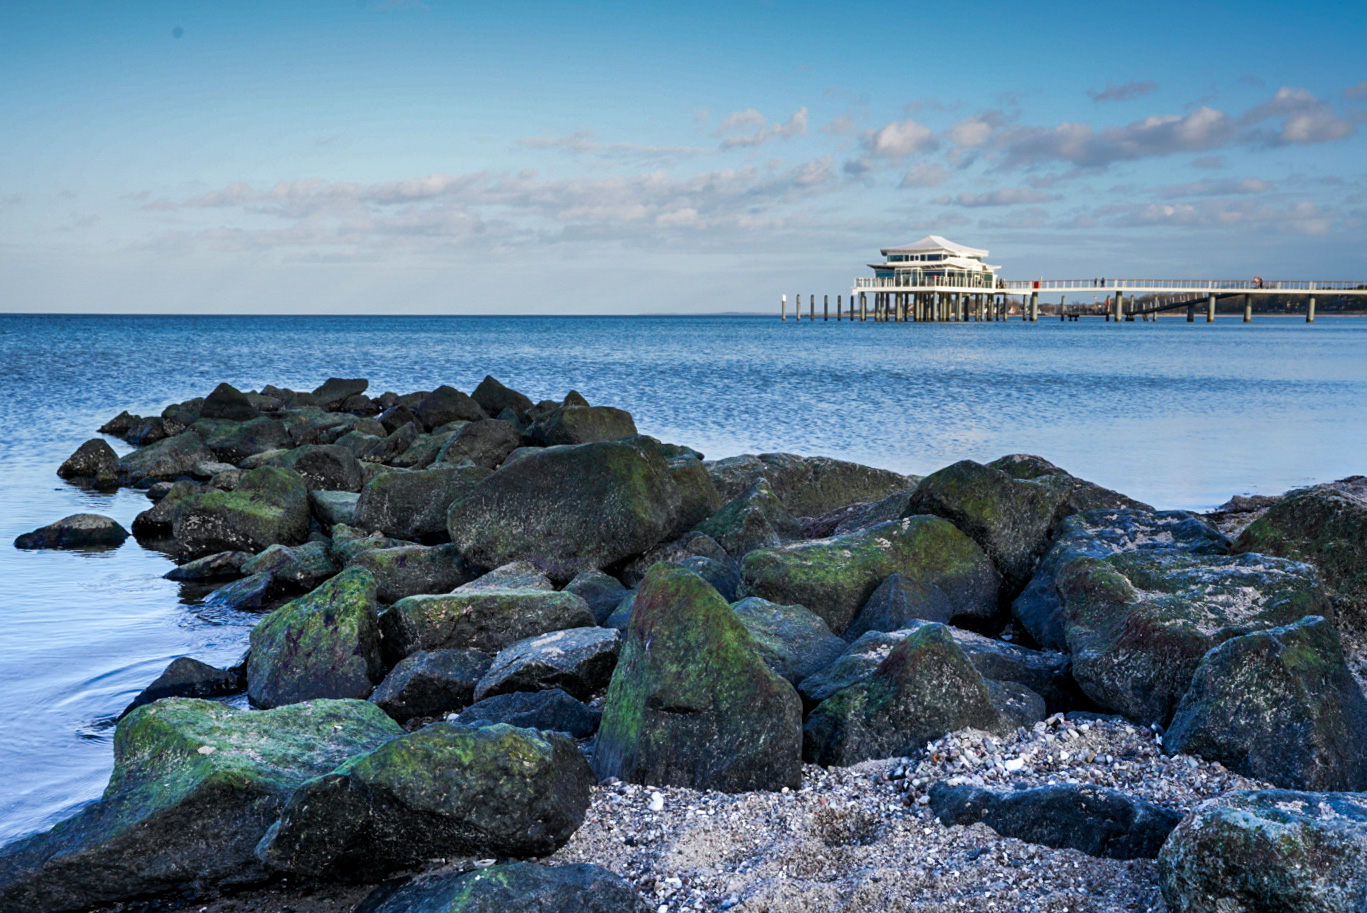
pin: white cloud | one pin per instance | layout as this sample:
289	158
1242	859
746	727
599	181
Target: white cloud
584	142
899	139
1302	217
973	131
1305	119
1005	196
1216	187
1080	145
924	174
796	125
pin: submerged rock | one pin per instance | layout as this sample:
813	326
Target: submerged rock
519	886
75	531
210	567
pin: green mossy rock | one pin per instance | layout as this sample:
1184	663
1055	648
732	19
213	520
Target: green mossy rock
1082	495
348	542
519	886
699	498
323	467
164	461
1268	851
791	640
1325	526
333	507
1138	623
807	486
298	567
233	442
325	644
94	463
78	531
414	504
412	570
445	790
691	703
925	688
481	619
196	785
580	425
516	575
269	506
1280	706
485	443
834	577
757	519
569	509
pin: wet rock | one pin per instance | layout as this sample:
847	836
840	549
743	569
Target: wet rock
835	577
807	486
1280	706
1093	820
602	593
1082	495
333	507
233	442
120	425
250	594
515	575
93	463
423	452
723	576
1138	623
75	531
486	443
348	542
300	567
493	398
336	390
518	886
195	786
568	509
323	644
494	791
859	516
1268	851
551	710
411	570
580	425
228	403
210	567
620	618
925	688
159	519
165	460
791	640
430	683
147	431
1096	534
323	467
269	506
410	505
188	677
447	404
360	404
486	620
756	519
578	661
729	724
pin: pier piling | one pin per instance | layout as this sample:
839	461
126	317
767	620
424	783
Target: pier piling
1248	309
1210	308
1310	310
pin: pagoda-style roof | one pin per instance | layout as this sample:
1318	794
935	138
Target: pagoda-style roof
935	243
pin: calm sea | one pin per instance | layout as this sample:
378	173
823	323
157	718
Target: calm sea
1174	414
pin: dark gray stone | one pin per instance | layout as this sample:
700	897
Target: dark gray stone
578	661
552	710
78	531
431	683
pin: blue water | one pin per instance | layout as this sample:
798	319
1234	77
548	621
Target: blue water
1175	414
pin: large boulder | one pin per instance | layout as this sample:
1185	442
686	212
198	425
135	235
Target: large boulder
445	790
333	507
268	506
414	504
337	390
1138	623
578	661
447	404
412	570
431	683
834	577
900	602
602	592
483	619
486	443
233	442
1269	851
323	644
1096	534
691	703
1082	495
93	463
493	398
1325	526
580	425
166	460
520	886
925	688
791	640
569	509
698	496
196	784
756	519
76	531
297	567
1280	706
229	403
807	486
552	710
323	467
188	677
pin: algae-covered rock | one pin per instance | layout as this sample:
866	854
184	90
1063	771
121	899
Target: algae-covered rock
269	506
552	710
299	567
333	507
515	575
1082	495
834	577
445	790
698	496
166	460
520	886
431	683
411	570
579	661
791	640
691	703
75	531
1138	623
569	509
323	644
756	519
410	505
196	784
807	486
233	442
925	688
486	443
601	592
485	619
93	463
323	467
580	425
899	602
1280	706
188	677
1268	851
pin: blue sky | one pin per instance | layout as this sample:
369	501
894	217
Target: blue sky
393	156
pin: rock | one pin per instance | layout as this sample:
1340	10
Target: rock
300	567
728	724
791	640
756	519
1325	526
210	567
410	505
1091	819
925	688
1011	519
387	448
165	460
323	467
76	531
1254	697
807	486
228	403
269	506
484	620
859	516
620	618
578	661
835	577
412	570
601	592
159	519
515	575
250	594
94	462
518	886
447	404
424	451
493	398
552	710
333	507
360	405
323	644
430	683
1268	851
348	542
195	786
697	493
676	551
1138	623
120	425
568	509
580	425
494	791
336	390
486	443
1096	534
898	602
1082	495
188	677
395	417
234	442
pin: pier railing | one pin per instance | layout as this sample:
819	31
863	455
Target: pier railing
1019	286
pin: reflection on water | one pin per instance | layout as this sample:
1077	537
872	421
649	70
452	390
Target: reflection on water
1175	414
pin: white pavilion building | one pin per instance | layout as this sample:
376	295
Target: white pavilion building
933	261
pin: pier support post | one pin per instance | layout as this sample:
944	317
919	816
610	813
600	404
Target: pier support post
811	308
783	308
1034	307
1248	309
826	308
1119	306
797	308
1210	308
1310	310
863	306
1191	313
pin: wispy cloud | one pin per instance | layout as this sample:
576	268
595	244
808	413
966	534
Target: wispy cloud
899	139
1005	196
1301	217
1305	119
924	174
758	129
1213	188
585	142
1123	92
